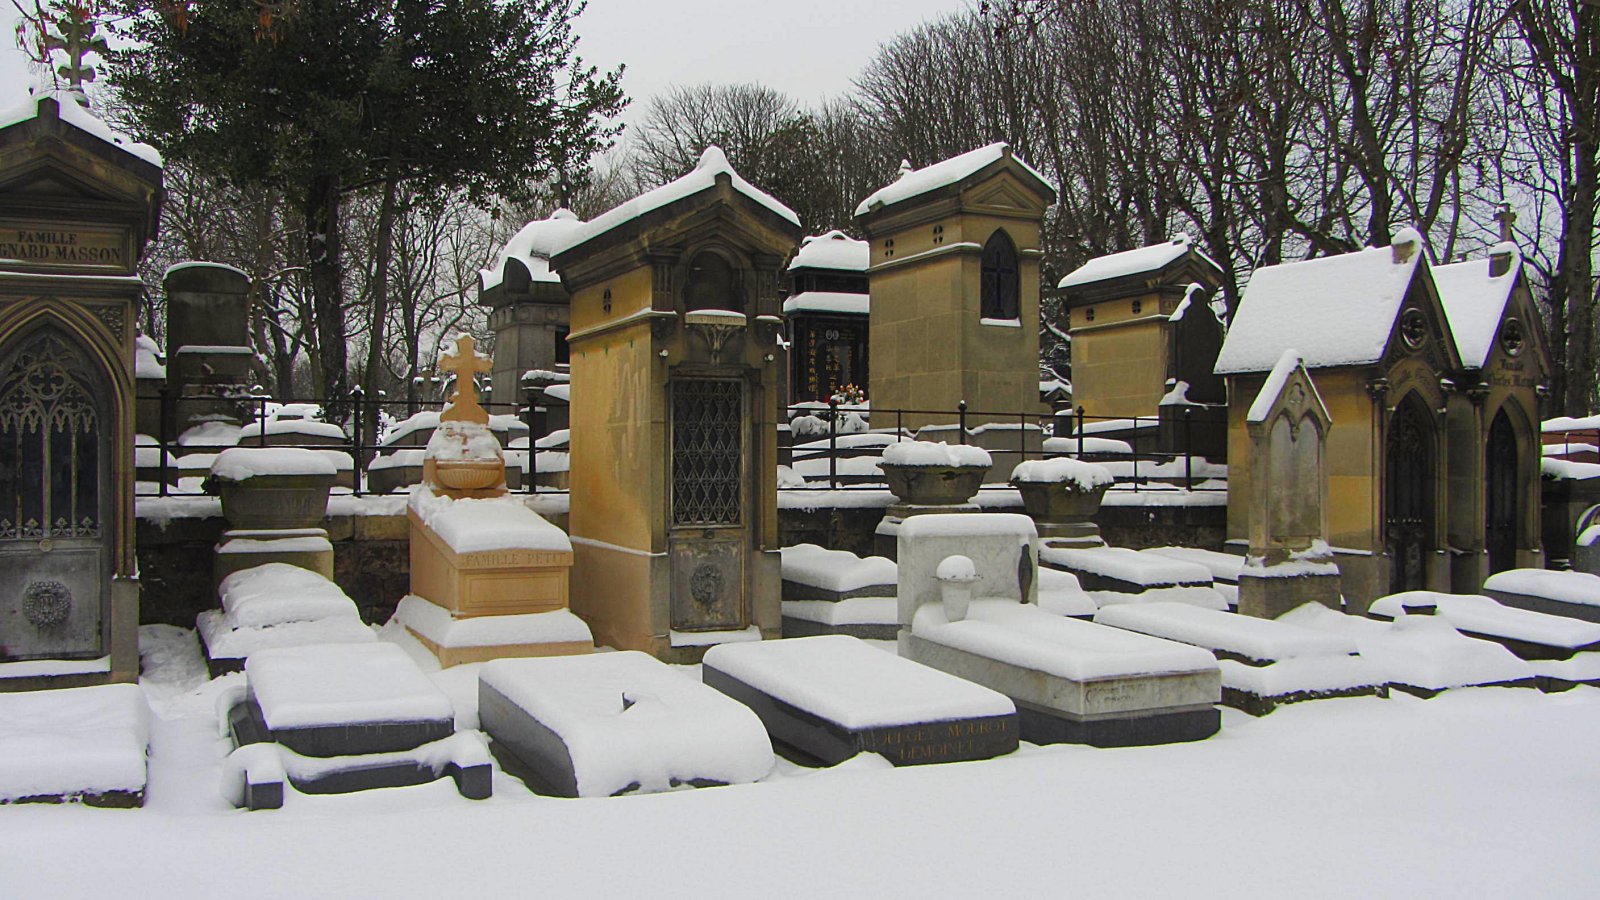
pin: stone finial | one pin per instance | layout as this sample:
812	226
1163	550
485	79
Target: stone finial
1404	244
905	168
464	362
1507	219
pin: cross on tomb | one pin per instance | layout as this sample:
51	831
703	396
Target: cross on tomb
464	364
1506	218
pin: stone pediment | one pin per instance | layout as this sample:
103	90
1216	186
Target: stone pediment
1421	330
1520	344
1005	195
1288	391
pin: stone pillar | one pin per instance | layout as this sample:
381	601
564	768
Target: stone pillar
208	342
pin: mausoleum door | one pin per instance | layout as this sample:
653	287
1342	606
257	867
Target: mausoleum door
55	511
708	526
1503	514
1409	460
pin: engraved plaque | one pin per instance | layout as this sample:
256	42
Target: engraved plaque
64	246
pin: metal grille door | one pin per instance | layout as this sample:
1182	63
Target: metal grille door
1502	489
1408	525
707	452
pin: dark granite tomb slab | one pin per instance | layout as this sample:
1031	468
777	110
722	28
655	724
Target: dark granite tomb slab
813	739
356	738
794	627
1041	726
1584	611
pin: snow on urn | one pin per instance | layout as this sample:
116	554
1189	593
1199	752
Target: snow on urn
463	456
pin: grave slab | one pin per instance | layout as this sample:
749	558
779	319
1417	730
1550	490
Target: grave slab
1563	652
1572	594
74	745
827	698
617	723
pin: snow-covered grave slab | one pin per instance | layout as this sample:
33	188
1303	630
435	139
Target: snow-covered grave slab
1265	663
1557	647
616	723
1115	575
837	592
1572	594
347	717
1225	568
1421	655
84	745
1060	593
827	698
276	605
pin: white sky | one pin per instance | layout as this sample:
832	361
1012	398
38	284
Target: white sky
808	50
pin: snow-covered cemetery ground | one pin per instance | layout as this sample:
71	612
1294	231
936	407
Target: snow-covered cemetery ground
1479	792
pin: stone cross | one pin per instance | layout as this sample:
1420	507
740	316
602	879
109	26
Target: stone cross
465	364
1506	218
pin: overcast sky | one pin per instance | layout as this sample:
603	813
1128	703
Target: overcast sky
808	50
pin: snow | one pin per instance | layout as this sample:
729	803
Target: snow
476	525
74	113
956	568
713	162
226	642
244	463
1257	639
916	182
1561	424
562	392
1338	310
1023	635
1316	559
928	453
830	302
1002	323
342	684
1089	445
1475	302
435	623
834	250
1307	674
1127	565
835	570
457	441
147	358
713	638
1484	615
1204	597
277	593
293	426
967	525
1420	651
1565	470
72	741
1060	594
34	668
1131	262
628	719
1149	821
210	434
533	246
307	544
411	423
849	611
1567	587
398	459
848	682
1084	476
1223	566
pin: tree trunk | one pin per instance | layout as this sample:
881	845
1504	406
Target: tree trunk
380	301
330	378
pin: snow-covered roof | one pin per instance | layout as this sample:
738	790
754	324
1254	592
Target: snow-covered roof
147	358
1475	301
703	177
76	114
1133	262
915	182
1337	310
829	301
834	250
533	246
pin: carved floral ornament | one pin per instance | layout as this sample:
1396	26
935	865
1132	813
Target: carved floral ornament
1511	337
46	604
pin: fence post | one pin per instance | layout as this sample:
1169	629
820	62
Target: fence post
164	431
261	421
358	454
1022	436
961	409
833	442
1078	414
1188	453
530	472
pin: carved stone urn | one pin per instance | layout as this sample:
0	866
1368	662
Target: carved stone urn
923	473
1062	497
272	487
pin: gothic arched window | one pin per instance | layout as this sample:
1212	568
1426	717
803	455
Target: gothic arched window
1001	288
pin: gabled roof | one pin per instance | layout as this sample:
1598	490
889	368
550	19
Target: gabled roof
916	182
1475	302
72	112
703	177
1134	262
533	246
834	250
1337	310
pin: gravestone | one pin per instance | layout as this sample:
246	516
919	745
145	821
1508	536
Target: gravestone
208	343
1289	562
78	203
676	374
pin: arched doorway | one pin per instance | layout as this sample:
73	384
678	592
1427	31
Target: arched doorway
1410	458
55	476
1502	509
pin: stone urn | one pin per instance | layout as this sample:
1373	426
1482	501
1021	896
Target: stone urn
464	457
272	487
1062	497
921	473
469	474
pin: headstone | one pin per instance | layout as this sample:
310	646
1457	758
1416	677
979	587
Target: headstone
77	205
489	577
1289	562
676	375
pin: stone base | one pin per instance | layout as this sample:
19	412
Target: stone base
1270	597
1052	726
796	628
248	727
1070	535
455	656
307	548
1260	705
494	582
1584	611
